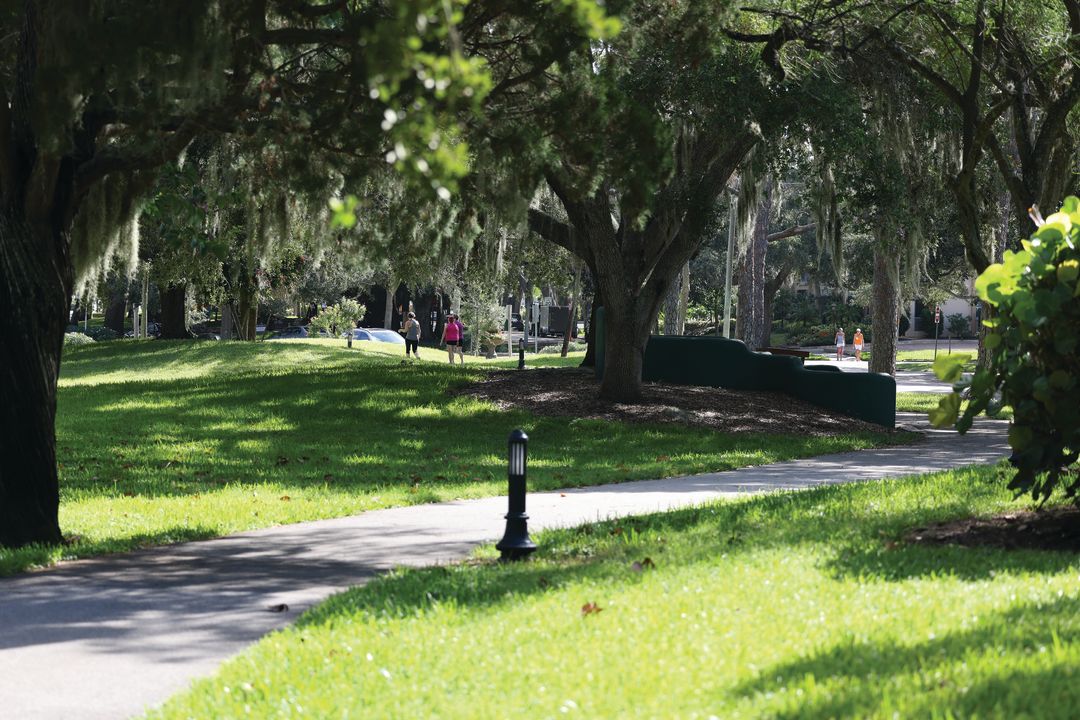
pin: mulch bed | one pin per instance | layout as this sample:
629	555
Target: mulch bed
572	392
1056	528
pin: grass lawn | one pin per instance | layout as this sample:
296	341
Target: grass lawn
923	360
160	441
925	402
792	605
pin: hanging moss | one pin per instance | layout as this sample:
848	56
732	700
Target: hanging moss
105	231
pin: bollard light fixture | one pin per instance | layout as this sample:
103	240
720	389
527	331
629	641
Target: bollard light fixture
516	543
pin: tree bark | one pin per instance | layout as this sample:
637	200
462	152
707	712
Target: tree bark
626	332
174	317
590	332
388	311
752	281
35	288
684	296
772	287
116	310
886	311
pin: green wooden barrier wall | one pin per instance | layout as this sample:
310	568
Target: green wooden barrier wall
717	362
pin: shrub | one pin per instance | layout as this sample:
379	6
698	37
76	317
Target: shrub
815	335
1033	361
556	349
74	339
339	318
958	326
102	334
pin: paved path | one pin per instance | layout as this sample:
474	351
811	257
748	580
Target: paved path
921	381
107	638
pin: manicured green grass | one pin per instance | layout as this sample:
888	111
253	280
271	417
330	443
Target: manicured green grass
792	605
160	442
917	401
925	402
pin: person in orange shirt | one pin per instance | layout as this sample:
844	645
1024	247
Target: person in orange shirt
857	341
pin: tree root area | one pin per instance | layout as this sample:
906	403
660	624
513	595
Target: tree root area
572	392
1056	528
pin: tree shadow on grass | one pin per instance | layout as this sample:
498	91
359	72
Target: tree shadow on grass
858	672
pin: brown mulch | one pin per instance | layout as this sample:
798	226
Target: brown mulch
572	392
1056	528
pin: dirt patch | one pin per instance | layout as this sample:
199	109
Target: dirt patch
1056	528
572	392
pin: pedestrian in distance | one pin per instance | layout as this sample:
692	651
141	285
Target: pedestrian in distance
452	337
411	329
840	344
857	342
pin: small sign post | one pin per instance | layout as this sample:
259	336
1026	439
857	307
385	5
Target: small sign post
937	325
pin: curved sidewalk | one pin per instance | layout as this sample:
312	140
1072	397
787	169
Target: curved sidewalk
110	637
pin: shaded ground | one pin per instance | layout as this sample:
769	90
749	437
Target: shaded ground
572	392
1055	528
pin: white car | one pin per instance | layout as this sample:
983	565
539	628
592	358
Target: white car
378	335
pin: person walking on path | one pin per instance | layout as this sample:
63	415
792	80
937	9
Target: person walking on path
857	341
452	336
412	337
840	344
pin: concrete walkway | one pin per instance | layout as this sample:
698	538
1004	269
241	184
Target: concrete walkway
110	637
920	381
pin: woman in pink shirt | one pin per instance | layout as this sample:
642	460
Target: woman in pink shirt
452	334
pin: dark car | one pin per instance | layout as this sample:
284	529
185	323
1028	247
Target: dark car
290	333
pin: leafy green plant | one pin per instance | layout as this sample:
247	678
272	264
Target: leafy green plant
339	318
77	338
1032	341
958	325
102	334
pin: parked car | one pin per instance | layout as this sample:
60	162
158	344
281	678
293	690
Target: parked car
290	333
378	335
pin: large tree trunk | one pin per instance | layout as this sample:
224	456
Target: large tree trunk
590	332
174	317
772	286
116	310
886	311
671	311
684	296
626	333
388	311
35	290
752	281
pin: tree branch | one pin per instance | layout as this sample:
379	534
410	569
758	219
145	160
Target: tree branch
557	232
790	232
1017	190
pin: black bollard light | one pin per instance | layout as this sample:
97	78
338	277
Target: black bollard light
516	543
